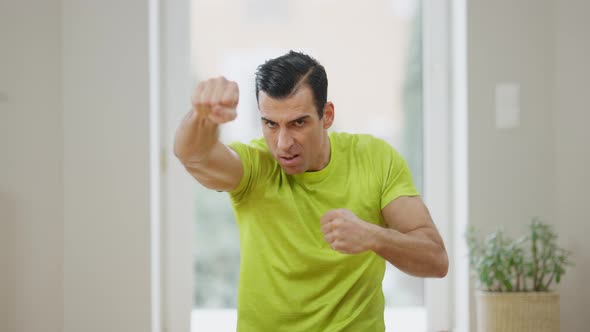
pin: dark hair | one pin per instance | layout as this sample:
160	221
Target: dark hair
282	76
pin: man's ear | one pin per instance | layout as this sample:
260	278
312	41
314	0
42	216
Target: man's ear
328	117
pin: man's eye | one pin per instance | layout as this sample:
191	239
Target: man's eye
271	124
299	123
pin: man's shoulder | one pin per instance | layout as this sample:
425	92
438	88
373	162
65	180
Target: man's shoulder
257	146
257	143
255	152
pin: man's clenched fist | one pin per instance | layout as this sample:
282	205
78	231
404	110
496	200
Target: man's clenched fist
347	233
217	98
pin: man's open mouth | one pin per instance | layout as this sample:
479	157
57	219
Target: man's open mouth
288	160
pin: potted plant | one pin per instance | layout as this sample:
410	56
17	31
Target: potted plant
514	279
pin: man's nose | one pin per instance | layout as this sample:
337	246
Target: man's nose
285	141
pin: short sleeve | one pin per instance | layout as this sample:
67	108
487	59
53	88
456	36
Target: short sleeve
257	163
395	174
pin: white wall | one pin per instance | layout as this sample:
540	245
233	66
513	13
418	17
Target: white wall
539	168
106	166
572	154
31	172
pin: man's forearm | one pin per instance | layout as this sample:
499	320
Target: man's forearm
195	139
414	253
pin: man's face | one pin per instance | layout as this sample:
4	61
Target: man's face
293	131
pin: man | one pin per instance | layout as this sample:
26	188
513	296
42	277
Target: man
318	213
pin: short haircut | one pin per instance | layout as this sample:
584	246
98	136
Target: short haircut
283	76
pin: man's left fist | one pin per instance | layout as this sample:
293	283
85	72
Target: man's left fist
347	233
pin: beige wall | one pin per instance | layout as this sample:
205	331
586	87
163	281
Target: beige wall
31	167
539	168
572	154
74	170
511	170
106	166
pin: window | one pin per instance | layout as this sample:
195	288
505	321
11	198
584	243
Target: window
373	56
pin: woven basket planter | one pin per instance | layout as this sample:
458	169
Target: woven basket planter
517	311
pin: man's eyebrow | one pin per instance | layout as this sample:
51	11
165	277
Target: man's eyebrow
267	120
300	118
291	121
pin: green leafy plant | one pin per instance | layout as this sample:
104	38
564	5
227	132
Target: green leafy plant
530	263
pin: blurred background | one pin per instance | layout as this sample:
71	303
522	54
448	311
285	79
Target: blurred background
102	230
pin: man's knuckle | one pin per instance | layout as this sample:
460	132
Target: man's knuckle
227	100
220	80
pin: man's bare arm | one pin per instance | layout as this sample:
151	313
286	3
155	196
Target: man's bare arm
197	144
410	241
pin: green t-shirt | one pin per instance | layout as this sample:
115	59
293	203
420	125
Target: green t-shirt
290	278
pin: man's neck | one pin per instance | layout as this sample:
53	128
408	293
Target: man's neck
326	152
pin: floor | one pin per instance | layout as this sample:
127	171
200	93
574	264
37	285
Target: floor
400	319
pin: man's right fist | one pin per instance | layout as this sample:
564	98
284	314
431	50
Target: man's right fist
217	98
